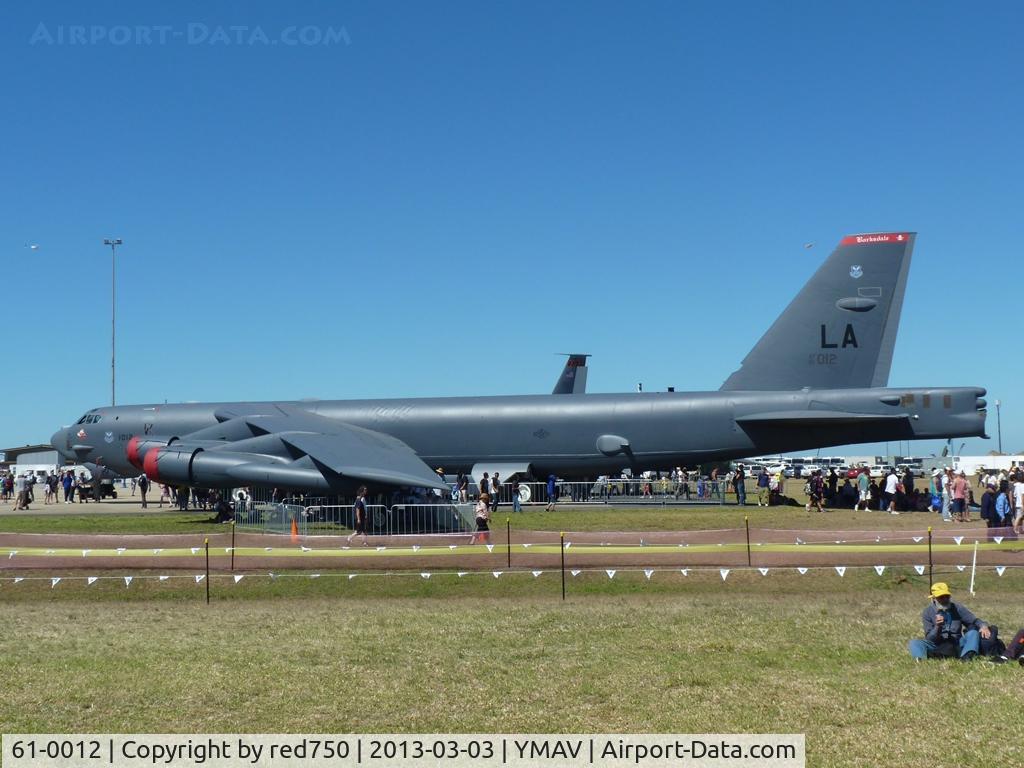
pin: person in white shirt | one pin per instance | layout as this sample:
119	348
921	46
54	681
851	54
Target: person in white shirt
890	491
1018	505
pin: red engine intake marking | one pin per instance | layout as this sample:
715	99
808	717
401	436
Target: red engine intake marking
149	464
132	452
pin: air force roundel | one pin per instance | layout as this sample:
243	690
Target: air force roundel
856	271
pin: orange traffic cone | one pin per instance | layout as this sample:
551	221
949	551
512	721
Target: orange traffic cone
295	530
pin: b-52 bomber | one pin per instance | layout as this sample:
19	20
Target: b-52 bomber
818	377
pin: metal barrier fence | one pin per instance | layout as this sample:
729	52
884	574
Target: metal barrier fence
621	490
335	519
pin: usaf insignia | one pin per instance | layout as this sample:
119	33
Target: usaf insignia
856	271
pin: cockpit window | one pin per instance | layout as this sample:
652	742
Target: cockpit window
90	418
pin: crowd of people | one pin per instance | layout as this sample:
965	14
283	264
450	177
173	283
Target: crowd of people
23	488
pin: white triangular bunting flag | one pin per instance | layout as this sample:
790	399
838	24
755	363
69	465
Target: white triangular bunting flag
802	571
12	553
164	578
273	576
568	544
527	546
157	551
764	571
314	575
305	549
610	572
352	576
496	573
85	552
575	572
239	577
997	539
841	570
415	547
227	550
128	580
1000	569
54	581
919	569
90	581
18	578
684	571
452	546
536	573
425	575
958	539
271	549
195	550
381	549
460	574
121	550
917	539
490	547
879	569
961	568
724	572
648	572
50	551
199	577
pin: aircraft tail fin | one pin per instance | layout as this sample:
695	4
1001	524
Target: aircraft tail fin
573	379
840	330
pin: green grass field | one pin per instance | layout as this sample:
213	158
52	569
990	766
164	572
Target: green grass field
818	654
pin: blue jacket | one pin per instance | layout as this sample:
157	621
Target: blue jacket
988	506
957	620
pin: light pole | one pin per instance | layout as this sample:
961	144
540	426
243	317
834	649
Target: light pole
113	312
999	425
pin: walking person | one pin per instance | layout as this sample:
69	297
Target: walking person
483	517
552	490
959	499
68	483
517	503
495	490
889	494
143	484
763	492
863	489
816	491
359	516
462	486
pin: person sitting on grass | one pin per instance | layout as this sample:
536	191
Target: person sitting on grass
950	630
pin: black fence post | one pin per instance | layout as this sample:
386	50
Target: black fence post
232	546
562	540
746	522
508	540
207	544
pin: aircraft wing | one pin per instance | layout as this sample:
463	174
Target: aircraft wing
293	448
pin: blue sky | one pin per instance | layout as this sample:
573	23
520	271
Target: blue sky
436	198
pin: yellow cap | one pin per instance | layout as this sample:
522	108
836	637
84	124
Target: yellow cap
940	589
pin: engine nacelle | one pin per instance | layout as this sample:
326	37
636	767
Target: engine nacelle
139	446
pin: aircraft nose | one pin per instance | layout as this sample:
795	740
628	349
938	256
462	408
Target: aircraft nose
60	440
